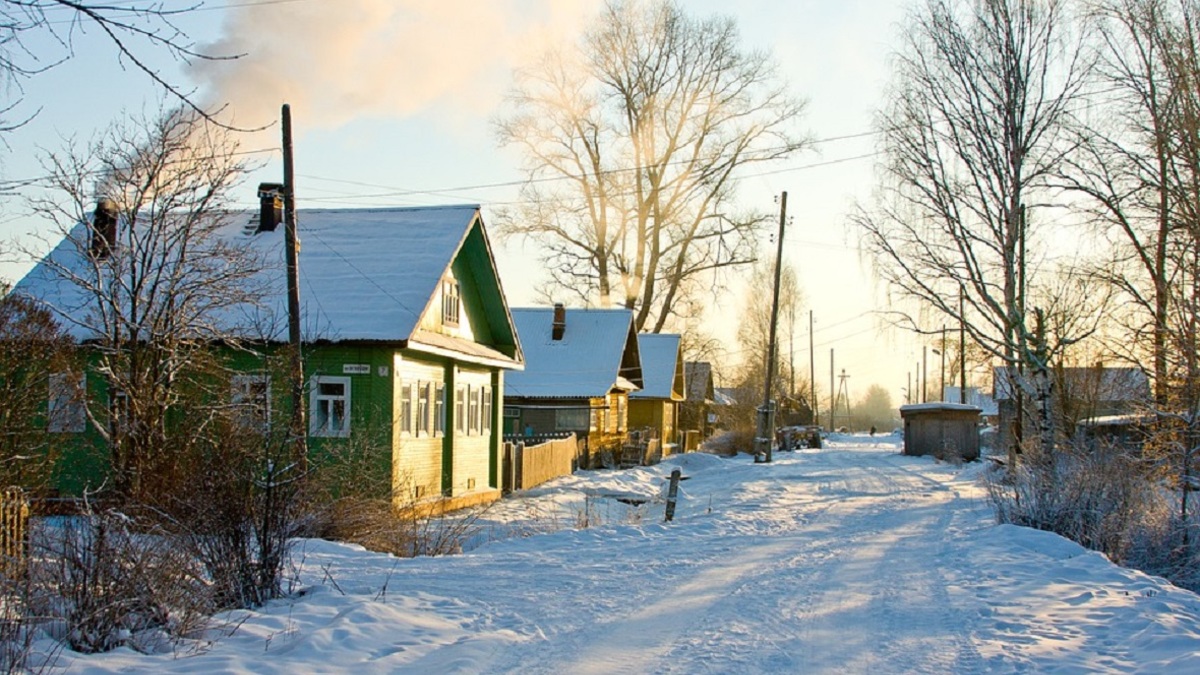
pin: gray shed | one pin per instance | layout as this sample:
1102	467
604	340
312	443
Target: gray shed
944	430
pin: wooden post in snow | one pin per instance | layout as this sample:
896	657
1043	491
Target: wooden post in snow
672	494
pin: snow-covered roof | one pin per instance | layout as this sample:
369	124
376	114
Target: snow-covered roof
597	349
974	397
366	274
725	395
661	360
1117	420
937	406
1094	383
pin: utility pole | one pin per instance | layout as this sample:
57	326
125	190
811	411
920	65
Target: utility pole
766	414
942	379
844	393
832	394
812	374
298	430
924	374
962	348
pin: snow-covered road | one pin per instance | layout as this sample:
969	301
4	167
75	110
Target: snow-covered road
847	559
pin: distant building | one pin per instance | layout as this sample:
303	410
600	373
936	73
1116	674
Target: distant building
656	405
694	413
989	410
580	367
1076	394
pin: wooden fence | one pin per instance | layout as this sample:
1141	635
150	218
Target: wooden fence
14	520
526	466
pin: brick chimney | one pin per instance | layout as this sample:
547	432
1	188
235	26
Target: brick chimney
104	228
560	322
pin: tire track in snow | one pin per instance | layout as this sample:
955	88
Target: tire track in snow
842	561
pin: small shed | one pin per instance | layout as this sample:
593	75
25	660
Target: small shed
944	430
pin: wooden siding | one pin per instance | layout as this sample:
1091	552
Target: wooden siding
416	457
656	414
470	463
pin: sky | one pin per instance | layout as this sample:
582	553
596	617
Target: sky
848	559
393	101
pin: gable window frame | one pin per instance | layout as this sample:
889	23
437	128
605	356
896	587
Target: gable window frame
451	302
324	403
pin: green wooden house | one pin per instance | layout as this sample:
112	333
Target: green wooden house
407	337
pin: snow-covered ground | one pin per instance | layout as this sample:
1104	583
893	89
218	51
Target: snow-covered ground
852	558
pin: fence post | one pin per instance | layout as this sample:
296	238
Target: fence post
519	466
14	517
672	494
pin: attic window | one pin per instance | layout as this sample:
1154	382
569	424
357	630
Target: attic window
450	302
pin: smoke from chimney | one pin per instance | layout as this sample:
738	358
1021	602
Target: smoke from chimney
339	61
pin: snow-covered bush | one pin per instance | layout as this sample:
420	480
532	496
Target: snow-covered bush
101	580
1092	495
1104	498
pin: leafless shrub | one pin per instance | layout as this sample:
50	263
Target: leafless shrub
20	628
730	442
353	497
1092	495
107	580
238	515
1108	500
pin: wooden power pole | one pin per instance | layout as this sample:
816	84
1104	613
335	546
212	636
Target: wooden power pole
298	430
766	414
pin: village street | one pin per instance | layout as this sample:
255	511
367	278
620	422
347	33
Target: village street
848	559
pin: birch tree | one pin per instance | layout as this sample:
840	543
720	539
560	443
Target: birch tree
972	128
633	145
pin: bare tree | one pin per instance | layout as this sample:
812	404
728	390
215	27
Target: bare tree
972	130
36	35
633	150
151	282
754	330
1127	165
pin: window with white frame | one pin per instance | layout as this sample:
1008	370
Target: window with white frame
66	410
460	409
485	407
439	409
473	408
406	408
424	399
329	402
251	398
450	302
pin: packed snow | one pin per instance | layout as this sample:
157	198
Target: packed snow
851	558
